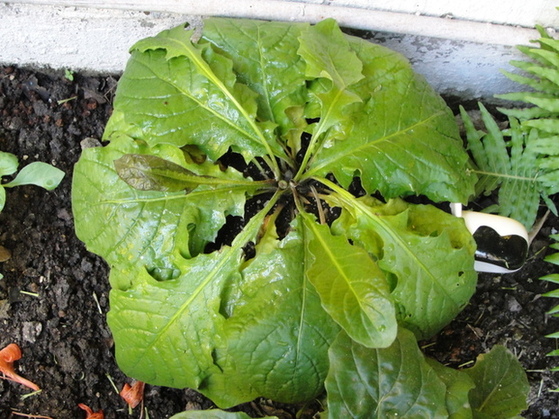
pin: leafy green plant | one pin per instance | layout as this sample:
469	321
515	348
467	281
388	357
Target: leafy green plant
36	173
249	205
523	160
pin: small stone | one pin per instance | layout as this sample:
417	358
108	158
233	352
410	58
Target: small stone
513	305
63	214
30	331
4	307
90	142
5	254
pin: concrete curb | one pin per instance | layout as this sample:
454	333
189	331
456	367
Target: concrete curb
459	58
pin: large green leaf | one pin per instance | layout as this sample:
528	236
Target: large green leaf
458	385
130	227
383	383
404	139
169	92
328	56
415	245
272	69
501	387
162	335
352	288
276	335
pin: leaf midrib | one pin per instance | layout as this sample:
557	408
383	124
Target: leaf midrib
352	204
361	149
185	93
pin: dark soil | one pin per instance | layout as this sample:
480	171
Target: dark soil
54	294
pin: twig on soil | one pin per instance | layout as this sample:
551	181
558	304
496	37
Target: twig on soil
30	416
465	364
62	101
97	302
34	393
112	383
479	318
537	227
428	345
32	294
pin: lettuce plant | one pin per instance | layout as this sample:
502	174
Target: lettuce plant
249	204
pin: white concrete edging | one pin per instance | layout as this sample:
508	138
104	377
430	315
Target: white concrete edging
458	57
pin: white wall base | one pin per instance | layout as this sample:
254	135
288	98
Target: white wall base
457	57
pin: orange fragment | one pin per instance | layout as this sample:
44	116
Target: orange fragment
90	413
8	355
134	394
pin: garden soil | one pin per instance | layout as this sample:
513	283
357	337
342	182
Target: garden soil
54	293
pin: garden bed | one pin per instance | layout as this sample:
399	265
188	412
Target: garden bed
54	294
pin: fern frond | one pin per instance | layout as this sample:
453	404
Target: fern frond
542	115
545	125
544	80
506	159
547	42
546	57
553	278
539	85
523	113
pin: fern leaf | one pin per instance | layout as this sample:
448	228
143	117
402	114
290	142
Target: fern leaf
524	113
546	57
548	43
552	294
547	145
539	85
547	125
548	73
541	118
553	278
508	160
542	81
550	104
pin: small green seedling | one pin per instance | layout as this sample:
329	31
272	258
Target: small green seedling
69	74
36	173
